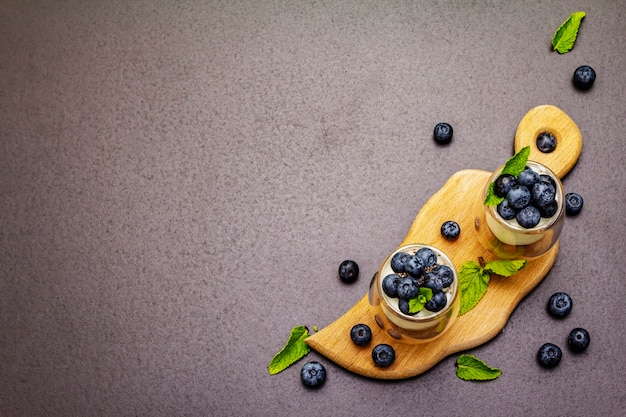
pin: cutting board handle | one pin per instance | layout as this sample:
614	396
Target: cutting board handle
550	119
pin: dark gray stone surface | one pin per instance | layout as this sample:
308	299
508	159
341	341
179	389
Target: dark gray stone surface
179	182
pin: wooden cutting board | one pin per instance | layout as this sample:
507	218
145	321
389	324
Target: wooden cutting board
457	201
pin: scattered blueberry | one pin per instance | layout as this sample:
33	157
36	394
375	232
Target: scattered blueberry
443	133
578	339
428	257
398	260
383	355
361	334
390	284
313	374
407	288
450	230
559	305
573	204
584	77
527	177
519	196
502	185
437	303
528	217
546	142
549	355
348	271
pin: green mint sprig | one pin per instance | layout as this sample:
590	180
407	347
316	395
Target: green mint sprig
566	34
474	279
294	350
470	368
513	166
418	303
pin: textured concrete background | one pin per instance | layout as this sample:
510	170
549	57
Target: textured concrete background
180	180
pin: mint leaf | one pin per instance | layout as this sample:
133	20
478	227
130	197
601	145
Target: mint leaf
294	350
504	268
514	165
492	199
470	368
418	303
565	36
517	162
473	281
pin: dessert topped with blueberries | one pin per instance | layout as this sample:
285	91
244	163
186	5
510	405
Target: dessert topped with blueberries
528	198
418	282
522	198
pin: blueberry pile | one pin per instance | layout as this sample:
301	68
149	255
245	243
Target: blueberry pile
527	197
413	271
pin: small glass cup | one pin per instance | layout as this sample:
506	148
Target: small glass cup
506	238
424	326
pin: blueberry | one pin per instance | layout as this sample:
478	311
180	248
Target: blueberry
313	374
428	256
348	271
527	177
502	185
450	230
383	355
433	281
443	133
404	307
584	77
546	142
519	196
559	304
573	203
445	273
543	193
398	260
528	217
549	210
578	340
390	285
549	179
437	303
549	355
505	210
407	288
361	334
414	266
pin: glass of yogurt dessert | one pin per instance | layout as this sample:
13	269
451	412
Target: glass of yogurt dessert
415	294
528	221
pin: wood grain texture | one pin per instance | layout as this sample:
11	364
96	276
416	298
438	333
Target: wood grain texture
460	201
